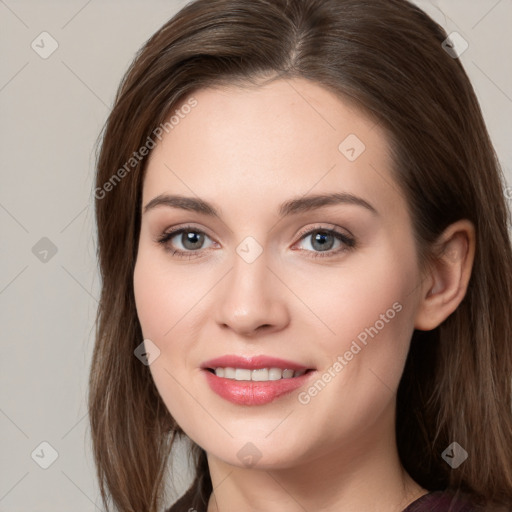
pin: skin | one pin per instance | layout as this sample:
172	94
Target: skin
246	150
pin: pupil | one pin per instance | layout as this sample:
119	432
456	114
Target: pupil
192	238
320	237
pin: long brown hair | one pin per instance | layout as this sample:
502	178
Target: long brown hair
386	57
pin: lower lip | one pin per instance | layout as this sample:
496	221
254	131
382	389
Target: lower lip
246	392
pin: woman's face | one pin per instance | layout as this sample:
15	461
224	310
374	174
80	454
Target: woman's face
259	283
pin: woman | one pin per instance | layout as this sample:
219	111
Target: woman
306	267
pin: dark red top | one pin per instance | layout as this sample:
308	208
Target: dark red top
434	501
440	501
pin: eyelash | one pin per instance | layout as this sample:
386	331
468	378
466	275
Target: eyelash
349	242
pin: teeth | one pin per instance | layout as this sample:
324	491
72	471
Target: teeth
229	373
259	375
242	374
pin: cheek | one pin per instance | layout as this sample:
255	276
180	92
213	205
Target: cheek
165	295
370	314
369	294
150	299
170	304
160	307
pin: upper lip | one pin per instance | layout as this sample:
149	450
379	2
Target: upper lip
252	363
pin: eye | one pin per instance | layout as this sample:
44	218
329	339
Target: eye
190	238
323	239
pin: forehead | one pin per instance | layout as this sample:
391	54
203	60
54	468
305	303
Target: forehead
267	143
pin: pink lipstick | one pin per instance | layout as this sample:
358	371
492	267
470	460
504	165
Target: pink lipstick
256	380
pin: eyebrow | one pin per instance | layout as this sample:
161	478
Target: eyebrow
291	207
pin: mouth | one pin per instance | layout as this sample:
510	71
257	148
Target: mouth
256	380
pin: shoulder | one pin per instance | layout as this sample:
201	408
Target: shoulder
442	501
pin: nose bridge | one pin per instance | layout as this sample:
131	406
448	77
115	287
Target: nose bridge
251	297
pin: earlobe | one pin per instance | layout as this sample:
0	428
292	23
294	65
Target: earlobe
446	284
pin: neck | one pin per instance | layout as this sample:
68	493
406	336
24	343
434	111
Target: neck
364	474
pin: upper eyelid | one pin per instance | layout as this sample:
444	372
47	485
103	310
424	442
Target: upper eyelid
176	230
326	227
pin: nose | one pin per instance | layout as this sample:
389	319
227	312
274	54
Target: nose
252	300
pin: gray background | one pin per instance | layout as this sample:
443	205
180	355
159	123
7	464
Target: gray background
52	111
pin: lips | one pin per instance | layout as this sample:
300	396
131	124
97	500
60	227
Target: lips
254	380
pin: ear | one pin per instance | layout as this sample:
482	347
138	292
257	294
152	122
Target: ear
447	280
